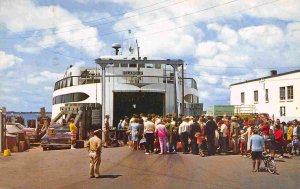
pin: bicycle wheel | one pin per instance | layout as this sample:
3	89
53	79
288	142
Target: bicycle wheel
271	166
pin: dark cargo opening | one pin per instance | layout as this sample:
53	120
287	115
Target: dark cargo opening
129	103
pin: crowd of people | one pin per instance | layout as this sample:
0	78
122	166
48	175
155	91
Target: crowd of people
206	136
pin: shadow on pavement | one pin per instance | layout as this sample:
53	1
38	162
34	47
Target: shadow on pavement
280	160
110	176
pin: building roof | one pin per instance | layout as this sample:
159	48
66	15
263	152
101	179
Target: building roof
267	77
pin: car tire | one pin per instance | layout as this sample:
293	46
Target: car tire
45	148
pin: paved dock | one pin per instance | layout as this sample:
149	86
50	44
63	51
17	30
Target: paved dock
123	168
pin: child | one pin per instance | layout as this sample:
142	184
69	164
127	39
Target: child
243	144
142	143
270	143
294	146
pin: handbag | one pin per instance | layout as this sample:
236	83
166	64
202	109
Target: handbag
143	140
179	146
199	140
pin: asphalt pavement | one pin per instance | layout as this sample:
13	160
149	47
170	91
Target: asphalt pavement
122	168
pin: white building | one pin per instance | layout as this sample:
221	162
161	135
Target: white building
277	94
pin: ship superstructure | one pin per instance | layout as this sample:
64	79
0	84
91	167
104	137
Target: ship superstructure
133	85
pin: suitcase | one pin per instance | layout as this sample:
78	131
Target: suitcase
79	143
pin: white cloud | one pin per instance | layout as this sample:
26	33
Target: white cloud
281	10
8	60
225	33
21	16
263	36
36	44
48	88
163	38
109	1
44	76
293	33
210	48
79	64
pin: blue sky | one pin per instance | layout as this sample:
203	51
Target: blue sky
221	41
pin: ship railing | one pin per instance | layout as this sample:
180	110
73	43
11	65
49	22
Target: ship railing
121	79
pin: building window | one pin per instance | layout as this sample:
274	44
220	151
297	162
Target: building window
242	98
255	96
282	111
290	93
282	93
267	95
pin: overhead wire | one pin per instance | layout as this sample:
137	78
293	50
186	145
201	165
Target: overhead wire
153	23
102	18
174	28
98	24
152	33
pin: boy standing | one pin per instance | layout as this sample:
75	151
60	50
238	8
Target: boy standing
256	147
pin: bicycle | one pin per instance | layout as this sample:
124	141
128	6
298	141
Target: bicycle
269	163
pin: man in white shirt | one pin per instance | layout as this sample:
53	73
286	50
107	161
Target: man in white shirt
149	128
224	138
184	130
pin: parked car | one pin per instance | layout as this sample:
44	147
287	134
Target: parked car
14	128
57	136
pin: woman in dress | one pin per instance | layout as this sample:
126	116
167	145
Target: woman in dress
135	132
161	133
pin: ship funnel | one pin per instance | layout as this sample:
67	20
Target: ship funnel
116	46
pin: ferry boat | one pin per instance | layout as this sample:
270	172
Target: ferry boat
132	85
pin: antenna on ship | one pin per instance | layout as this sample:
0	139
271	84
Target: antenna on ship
116	46
131	49
138	49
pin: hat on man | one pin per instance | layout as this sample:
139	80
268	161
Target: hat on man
233	117
158	121
97	131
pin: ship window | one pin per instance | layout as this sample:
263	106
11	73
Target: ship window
124	65
141	65
149	65
132	65
158	66
71	97
58	99
116	65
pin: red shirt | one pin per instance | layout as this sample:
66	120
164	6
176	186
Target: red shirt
265	129
279	136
